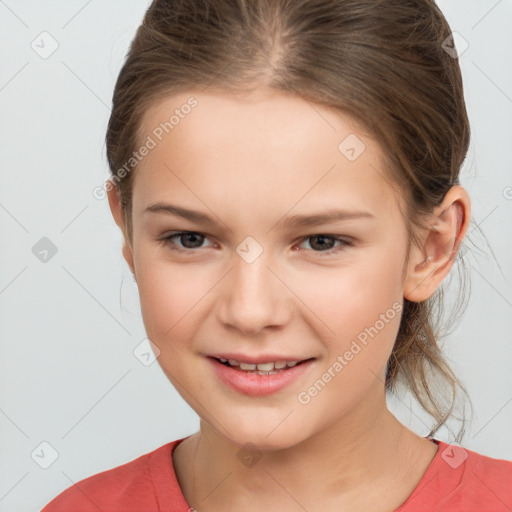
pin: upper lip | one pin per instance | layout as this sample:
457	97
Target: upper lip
263	358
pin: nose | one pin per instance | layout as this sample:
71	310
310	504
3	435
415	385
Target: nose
253	297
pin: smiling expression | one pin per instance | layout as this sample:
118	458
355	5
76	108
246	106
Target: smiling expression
259	273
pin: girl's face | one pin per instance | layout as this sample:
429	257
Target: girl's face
264	276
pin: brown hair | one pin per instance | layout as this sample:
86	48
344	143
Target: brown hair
381	62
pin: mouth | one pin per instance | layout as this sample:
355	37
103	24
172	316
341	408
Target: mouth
257	378
266	368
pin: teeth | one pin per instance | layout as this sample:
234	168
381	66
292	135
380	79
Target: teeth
247	366
264	367
261	367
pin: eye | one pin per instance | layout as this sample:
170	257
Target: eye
190	239
324	243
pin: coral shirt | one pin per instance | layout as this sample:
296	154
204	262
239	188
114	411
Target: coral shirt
457	480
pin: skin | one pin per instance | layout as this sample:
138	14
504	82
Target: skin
250	161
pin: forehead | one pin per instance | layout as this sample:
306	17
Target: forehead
266	149
249	118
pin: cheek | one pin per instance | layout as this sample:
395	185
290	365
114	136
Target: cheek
168	294
363	310
351	297
356	310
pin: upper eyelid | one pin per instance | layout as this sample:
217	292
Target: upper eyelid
186	232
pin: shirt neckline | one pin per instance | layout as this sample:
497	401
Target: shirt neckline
168	490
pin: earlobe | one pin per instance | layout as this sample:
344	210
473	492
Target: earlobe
418	284
114	201
128	256
431	263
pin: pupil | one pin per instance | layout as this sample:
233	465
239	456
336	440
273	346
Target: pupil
322	245
187	237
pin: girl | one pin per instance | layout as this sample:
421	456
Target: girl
285	175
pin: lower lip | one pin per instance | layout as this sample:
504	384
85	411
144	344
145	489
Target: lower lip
255	384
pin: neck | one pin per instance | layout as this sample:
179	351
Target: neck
366	450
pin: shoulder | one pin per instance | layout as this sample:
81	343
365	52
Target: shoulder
490	479
459	479
132	486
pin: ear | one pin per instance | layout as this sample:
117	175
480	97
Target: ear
114	201
430	263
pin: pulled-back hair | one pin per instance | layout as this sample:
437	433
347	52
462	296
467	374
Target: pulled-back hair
381	62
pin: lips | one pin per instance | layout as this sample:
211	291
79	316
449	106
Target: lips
257	382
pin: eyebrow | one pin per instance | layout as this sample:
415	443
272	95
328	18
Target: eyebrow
293	221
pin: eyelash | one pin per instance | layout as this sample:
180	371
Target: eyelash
167	242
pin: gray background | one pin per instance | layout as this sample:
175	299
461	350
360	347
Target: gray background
69	326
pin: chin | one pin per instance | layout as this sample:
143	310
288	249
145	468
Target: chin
258	437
